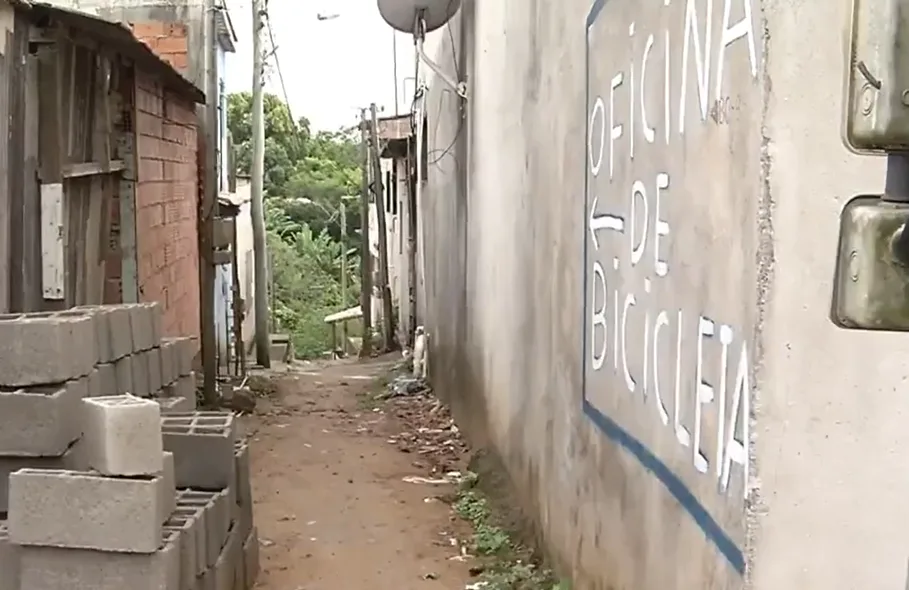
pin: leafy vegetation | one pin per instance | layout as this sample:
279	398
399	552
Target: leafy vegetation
507	565
305	177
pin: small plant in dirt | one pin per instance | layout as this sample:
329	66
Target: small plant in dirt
506	565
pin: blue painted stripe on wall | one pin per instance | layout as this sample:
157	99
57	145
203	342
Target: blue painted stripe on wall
609	427
675	486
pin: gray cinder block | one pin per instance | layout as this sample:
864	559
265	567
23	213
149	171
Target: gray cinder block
113	331
29	341
167	487
53	568
225	566
194	518
70	460
168	367
251	558
171	405
216	525
188	548
203	448
40	420
122	435
184	352
156	320
103	381
9	561
81	510
145	323
243	488
185	386
141	385
153	357
123	368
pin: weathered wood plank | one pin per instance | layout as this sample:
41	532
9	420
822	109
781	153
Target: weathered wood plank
83	169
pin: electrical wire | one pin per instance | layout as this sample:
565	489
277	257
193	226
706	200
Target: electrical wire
457	68
274	53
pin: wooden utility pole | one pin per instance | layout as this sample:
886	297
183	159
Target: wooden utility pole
206	221
365	255
343	211
260	255
387	310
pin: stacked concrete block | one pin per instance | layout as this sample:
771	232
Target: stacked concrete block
9	561
123	435
211	466
71	459
174	362
46	360
203	448
102	528
83	510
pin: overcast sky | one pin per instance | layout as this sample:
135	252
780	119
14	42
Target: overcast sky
331	67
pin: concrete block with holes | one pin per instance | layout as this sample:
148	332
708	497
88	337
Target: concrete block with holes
9	561
153	358
216	519
122	435
175	405
186	526
167	487
82	510
225	568
193	519
203	448
167	352
145	321
139	369
123	369
54	568
243	487
183	350
251	558
71	459
41	420
42	348
103	381
185	386
113	331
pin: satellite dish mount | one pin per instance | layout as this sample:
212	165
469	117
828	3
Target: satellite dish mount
419	34
419	17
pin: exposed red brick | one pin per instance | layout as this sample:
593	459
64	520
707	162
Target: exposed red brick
166	207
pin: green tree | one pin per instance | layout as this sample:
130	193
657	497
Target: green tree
305	177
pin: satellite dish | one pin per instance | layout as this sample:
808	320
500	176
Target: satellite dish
403	15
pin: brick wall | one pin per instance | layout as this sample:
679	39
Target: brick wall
168	40
167	187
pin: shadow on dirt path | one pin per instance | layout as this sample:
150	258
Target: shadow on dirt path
331	506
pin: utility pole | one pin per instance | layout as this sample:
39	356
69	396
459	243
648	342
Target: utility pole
207	212
263	343
387	310
343	209
365	254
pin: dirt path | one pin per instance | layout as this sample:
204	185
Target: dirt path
331	506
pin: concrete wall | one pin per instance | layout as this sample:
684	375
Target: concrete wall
626	286
166	212
245	262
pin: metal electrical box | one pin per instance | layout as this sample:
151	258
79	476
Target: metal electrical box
871	279
876	102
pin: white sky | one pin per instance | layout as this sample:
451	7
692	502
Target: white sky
331	68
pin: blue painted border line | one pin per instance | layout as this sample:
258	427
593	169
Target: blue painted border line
609	427
715	533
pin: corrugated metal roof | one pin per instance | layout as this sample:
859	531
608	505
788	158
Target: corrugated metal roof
118	37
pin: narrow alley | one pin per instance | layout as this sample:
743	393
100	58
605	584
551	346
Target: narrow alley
331	501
